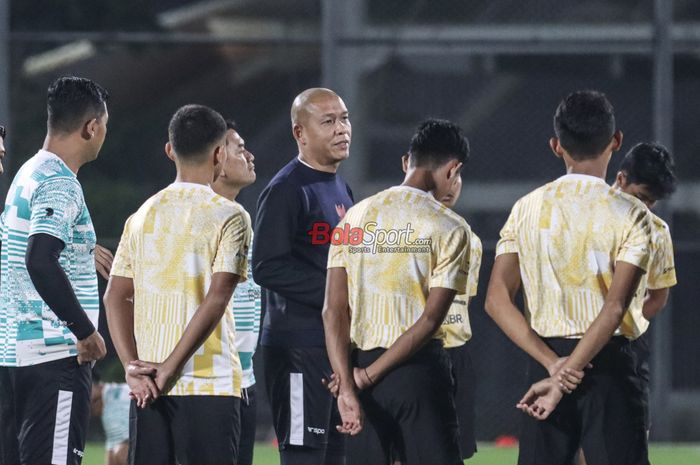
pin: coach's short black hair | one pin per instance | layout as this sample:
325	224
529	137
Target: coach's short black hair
231	124
584	124
194	129
72	101
652	165
436	142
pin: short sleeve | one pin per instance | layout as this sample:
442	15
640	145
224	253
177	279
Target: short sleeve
508	236
474	265
635	248
121	265
451	269
662	268
337	252
232	252
56	205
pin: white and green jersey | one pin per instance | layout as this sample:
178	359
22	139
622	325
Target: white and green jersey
115	413
246	312
45	197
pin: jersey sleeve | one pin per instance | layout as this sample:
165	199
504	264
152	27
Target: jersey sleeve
232	253
451	269
474	265
337	257
122	263
635	248
508	236
662	268
56	206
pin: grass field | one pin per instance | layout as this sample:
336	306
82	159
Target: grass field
664	454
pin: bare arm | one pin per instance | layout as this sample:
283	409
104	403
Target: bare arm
203	322
119	306
624	285
500	305
654	302
436	307
543	397
336	323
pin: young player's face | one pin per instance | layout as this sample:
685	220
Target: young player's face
239	168
326	131
641	191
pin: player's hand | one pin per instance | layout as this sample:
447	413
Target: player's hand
143	389
568	378
103	260
333	385
350	413
165	375
541	399
91	349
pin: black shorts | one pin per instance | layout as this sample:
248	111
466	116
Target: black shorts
188	430
50	403
409	414
465	395
249	414
304	414
641	348
603	416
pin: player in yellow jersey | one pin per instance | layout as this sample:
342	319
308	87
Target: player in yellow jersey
579	248
647	173
397	260
178	262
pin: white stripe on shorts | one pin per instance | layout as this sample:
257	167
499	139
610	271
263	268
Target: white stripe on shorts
62	428
296	409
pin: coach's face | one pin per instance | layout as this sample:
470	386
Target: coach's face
325	132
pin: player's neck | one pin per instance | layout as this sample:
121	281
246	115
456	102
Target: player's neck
419	179
64	149
194	175
228	191
597	167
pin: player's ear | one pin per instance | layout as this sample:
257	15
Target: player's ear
556	147
219	155
616	142
89	129
404	163
621	179
169	151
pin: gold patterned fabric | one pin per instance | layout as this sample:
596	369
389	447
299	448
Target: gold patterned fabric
457	328
661	274
568	235
171	247
395	246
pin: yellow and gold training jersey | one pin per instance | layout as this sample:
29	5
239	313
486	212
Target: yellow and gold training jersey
456	326
170	248
661	274
395	246
568	234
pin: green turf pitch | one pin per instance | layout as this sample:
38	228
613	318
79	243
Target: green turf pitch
685	454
